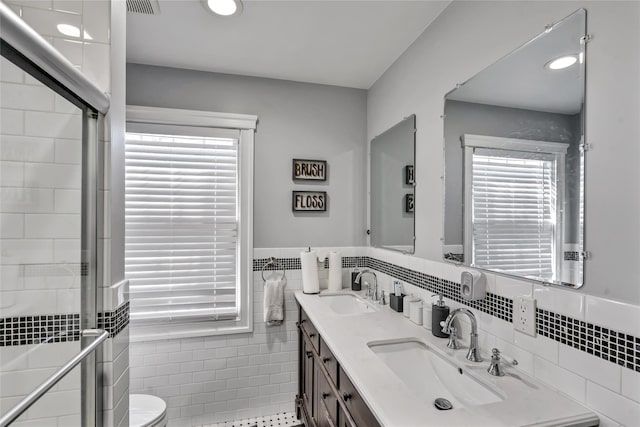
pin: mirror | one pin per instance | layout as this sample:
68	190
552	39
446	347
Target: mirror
392	185
514	161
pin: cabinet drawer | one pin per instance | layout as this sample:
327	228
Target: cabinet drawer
327	398
357	407
310	330
329	361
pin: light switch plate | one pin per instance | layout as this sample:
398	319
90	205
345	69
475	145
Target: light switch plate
524	315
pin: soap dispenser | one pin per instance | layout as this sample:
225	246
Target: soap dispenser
439	313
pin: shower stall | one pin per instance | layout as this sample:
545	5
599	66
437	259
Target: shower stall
50	209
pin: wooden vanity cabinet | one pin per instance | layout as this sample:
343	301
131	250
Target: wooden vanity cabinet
307	377
360	412
329	362
326	401
326	396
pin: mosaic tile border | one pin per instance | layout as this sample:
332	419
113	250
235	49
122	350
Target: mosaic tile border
294	263
52	328
571	256
114	321
495	305
605	343
39	329
454	257
608	344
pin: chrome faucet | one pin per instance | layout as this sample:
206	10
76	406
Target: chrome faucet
371	295
472	354
495	368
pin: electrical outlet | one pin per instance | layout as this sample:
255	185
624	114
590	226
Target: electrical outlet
524	315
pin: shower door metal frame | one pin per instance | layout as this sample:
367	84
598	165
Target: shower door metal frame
24	47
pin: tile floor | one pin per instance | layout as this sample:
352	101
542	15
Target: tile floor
287	419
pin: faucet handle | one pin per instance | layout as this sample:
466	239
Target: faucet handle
495	353
443	327
494	367
383	300
453	338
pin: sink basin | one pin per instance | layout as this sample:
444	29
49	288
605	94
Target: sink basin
430	376
347	304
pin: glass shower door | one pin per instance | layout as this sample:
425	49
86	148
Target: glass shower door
42	263
40	235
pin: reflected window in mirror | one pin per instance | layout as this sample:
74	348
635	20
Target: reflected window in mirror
392	183
514	194
514	161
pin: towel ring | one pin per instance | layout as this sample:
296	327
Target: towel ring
273	261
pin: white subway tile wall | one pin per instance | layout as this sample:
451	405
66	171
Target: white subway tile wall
34	169
221	378
611	390
40	206
26	367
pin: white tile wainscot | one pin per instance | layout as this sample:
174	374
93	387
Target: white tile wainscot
213	379
611	390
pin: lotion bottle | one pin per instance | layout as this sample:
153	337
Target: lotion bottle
439	313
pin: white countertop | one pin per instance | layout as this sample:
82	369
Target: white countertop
527	402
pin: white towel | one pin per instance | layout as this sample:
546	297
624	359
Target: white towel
274	301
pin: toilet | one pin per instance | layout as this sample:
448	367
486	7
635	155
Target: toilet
147	411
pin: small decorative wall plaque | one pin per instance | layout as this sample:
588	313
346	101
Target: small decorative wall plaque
309	170
408	203
309	201
408	175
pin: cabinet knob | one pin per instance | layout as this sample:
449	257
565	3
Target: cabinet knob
302	321
309	354
326	359
312	335
325	395
346	396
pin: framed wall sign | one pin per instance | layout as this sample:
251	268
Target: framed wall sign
309	170
309	201
408	203
408	175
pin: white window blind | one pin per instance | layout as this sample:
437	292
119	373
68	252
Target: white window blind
514	199
181	218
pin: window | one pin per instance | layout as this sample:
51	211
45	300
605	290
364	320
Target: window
188	222
513	195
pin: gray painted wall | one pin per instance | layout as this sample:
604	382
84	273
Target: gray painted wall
296	120
466	38
479	119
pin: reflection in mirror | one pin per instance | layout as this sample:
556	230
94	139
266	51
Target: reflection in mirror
514	161
392	187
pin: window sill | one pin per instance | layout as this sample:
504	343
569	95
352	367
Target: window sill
141	333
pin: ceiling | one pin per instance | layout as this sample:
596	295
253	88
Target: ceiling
521	80
334	42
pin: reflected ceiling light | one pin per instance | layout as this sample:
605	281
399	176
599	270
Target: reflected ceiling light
562	62
72	31
224	7
69	30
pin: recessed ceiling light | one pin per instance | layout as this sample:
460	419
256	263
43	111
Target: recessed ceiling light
562	62
224	7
